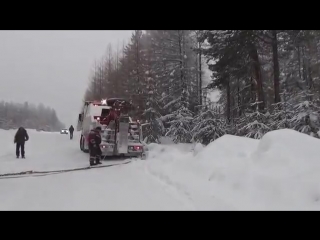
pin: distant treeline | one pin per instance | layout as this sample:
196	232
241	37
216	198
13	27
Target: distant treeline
14	115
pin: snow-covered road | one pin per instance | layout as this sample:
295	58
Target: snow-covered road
279	172
123	187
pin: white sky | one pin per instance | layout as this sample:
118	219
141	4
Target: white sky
52	67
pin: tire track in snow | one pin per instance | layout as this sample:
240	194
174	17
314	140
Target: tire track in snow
6	155
194	200
174	189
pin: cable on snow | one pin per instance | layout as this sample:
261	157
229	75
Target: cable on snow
32	173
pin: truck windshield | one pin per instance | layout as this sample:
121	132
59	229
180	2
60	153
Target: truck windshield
105	112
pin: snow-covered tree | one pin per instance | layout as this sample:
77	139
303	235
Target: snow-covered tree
306	117
155	128
254	124
180	122
208	126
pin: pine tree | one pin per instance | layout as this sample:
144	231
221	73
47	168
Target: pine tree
306	115
254	125
151	113
180	125
208	126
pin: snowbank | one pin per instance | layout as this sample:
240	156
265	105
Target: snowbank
287	170
279	172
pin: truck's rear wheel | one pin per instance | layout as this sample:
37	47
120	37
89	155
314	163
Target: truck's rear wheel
81	143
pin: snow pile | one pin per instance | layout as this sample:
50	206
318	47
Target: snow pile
279	172
287	170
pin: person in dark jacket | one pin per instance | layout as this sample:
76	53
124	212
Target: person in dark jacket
71	130
94	146
19	139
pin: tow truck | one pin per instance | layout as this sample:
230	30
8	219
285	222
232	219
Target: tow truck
121	137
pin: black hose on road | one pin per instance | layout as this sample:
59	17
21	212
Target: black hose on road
45	173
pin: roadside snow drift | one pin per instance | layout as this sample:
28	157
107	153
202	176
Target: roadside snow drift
279	172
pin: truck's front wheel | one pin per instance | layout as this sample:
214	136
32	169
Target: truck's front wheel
83	144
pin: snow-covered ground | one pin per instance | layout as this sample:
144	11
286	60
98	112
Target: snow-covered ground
115	188
279	172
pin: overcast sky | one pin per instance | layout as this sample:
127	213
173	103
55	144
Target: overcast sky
51	67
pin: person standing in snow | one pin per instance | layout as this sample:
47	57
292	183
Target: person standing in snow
94	146
19	139
71	130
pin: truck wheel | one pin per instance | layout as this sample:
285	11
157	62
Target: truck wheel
84	150
81	143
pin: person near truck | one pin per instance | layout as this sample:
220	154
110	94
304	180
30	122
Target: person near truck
94	146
